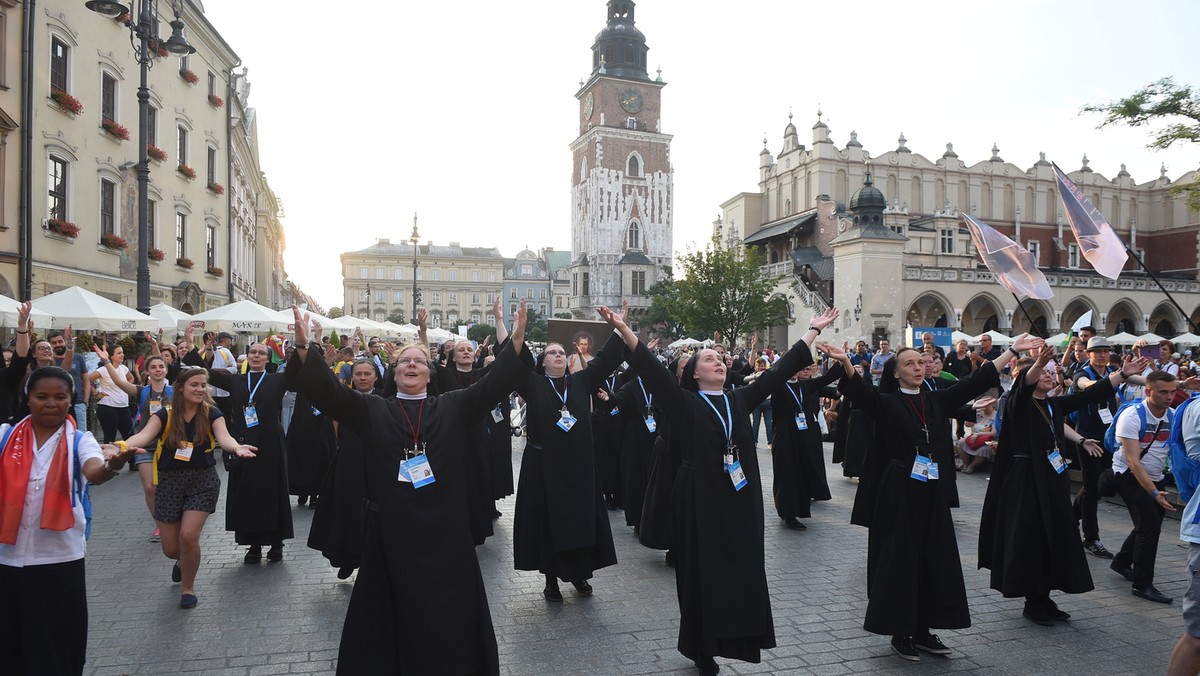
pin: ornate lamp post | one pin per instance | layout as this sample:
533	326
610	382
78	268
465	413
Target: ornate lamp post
143	35
416	294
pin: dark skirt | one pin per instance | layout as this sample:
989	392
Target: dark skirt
338	523
43	619
656	531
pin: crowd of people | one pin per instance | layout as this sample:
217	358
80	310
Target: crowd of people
669	437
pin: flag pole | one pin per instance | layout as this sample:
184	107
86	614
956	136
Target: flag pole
1032	326
1171	298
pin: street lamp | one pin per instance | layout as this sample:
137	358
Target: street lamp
143	35
367	296
416	292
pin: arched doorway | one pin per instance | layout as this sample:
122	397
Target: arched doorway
1076	309
1034	319
929	310
1166	321
1123	317
982	314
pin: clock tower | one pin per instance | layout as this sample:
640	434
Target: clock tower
621	182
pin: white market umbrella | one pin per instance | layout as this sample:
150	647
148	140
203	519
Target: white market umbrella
956	336
441	335
10	310
1186	339
288	319
402	331
1057	339
83	310
1152	338
997	338
685	342
169	319
244	316
1122	338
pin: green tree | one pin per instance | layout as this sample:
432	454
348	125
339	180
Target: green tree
658	317
335	312
480	330
562	315
396	317
1175	107
722	290
535	326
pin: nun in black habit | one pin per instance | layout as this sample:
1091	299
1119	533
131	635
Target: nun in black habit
419	605
608	421
640	431
1028	535
914	574
720	574
256	501
797	451
657	529
311	444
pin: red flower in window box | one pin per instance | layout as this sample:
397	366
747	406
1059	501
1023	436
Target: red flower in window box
155	152
66	101
215	271
60	227
217	188
114	128
188	75
215	101
113	242
185	262
155	254
186	170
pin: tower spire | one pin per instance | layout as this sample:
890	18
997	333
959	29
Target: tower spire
620	47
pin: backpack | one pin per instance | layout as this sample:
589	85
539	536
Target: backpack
168	391
82	489
1185	470
1110	437
1073	416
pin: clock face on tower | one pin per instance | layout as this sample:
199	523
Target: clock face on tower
589	104
631	100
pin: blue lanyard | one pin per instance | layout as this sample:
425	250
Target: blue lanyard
799	399
260	382
647	397
726	427
612	383
566	390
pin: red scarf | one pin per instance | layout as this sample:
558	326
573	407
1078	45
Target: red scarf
16	463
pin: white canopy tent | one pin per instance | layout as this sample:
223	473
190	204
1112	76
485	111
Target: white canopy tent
441	336
244	316
288	319
83	310
1186	339
997	338
1152	338
10	312
1122	339
169	319
685	342
402	331
1057	339
956	336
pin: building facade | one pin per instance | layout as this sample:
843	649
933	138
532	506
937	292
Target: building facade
458	284
526	276
880	238
622	180
12	17
558	264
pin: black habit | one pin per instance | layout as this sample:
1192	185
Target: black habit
311	444
480	500
636	446
798	456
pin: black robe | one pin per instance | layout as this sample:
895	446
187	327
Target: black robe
798	457
720	574
657	527
561	524
855	432
479	465
608	422
1028	535
637	446
419	605
311	445
914	575
257	508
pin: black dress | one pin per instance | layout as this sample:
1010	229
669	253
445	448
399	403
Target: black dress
1028	535
608	422
720	575
637	446
914	575
561	524
311	444
480	500
419	605
257	508
798	456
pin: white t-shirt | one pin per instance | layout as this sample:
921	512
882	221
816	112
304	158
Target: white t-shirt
1129	426
34	546
113	394
224	360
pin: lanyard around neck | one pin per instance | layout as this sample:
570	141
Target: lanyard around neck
645	397
566	389
799	398
260	382
726	425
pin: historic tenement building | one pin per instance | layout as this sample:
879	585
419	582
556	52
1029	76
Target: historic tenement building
879	236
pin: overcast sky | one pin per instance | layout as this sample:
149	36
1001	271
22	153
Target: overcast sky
463	111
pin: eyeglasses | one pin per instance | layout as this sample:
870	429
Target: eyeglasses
44	347
411	361
261	353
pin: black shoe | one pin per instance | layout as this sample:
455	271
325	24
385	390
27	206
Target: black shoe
1124	571
1097	550
583	588
275	554
188	601
345	572
930	643
793	523
552	593
1055	614
301	500
1151	594
903	646
176	574
707	666
1038	615
253	555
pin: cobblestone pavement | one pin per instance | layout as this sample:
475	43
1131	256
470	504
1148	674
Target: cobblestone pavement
287	617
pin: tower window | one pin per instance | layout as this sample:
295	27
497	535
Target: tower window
634	240
634	166
631	123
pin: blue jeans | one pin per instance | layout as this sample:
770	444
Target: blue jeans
81	421
763	410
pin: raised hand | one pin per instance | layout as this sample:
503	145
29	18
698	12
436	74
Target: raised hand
317	330
300	321
101	352
423	319
625	310
1026	342
69	336
497	311
518	333
823	319
652	344
1133	367
23	315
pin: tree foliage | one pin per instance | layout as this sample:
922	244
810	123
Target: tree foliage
481	330
658	317
397	317
723	291
535	326
335	312
1175	107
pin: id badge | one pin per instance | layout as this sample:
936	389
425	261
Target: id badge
650	424
1105	416
728	461
566	421
1056	461
419	471
251	416
155	406
933	471
184	452
920	469
616	410
316	411
737	475
801	422
497	414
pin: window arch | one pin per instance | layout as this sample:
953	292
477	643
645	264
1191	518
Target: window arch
787	207
633	238
633	166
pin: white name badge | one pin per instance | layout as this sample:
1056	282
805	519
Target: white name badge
801	422
316	411
497	414
1056	461
650	424
184	452
920	469
933	471
737	475
155	406
251	414
418	470
615	411
1105	416
567	421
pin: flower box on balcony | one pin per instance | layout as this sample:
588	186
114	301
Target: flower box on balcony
215	101
66	102
185	262
215	271
186	170
155	153
64	228
216	188
115	242
155	255
188	75
114	129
